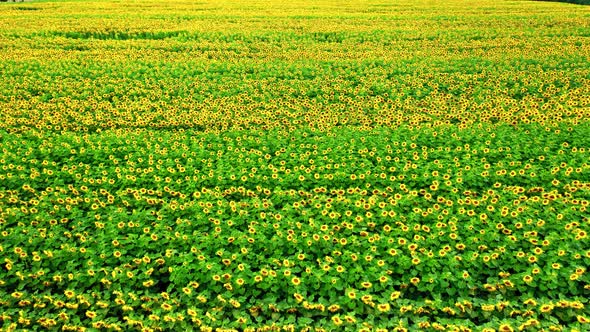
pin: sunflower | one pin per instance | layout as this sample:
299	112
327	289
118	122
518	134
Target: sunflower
488	307
532	259
383	307
545	308
337	320
69	293
351	294
333	308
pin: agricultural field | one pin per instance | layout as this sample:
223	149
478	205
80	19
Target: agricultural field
266	165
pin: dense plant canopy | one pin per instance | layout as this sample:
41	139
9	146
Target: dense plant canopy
222	165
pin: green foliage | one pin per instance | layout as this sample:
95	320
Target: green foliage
320	166
456	226
577	2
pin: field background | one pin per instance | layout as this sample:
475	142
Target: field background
178	165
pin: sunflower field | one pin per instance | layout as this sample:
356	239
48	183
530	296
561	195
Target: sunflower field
263	165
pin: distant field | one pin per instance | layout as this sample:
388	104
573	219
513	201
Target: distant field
301	165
